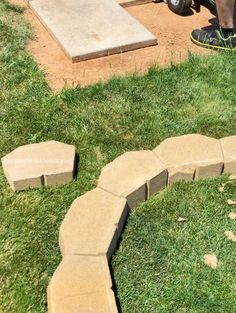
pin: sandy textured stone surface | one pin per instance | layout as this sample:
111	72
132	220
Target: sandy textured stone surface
229	151
91	28
81	284
93	224
48	163
192	152
186	174
134	175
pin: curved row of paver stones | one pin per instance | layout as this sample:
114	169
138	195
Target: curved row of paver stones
92	226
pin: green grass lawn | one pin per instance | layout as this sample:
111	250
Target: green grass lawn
159	266
102	121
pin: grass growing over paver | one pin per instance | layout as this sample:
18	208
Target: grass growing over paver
159	266
102	121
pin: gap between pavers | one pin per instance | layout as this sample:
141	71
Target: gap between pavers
185	157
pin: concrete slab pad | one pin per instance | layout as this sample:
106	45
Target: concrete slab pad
88	29
130	3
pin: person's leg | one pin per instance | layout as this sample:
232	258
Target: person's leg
223	37
225	10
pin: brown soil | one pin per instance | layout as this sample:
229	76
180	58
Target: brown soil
171	30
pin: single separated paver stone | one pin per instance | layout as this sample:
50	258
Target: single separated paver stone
48	163
228	145
134	175
189	154
81	284
93	224
91	28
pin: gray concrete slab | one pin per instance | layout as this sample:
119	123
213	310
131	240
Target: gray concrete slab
91	28
130	3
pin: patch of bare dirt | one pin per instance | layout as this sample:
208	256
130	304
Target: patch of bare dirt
172	31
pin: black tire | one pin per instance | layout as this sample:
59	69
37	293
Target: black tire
179	6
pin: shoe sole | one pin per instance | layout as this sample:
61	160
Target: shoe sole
205	45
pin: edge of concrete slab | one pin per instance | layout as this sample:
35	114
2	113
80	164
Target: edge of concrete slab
180	173
130	3
116	50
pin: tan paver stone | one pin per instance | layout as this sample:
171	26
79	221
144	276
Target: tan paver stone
93	224
87	29
229	151
186	174
193	152
134	175
81	284
48	163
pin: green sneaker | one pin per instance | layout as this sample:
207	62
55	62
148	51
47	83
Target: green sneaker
214	39
212	2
